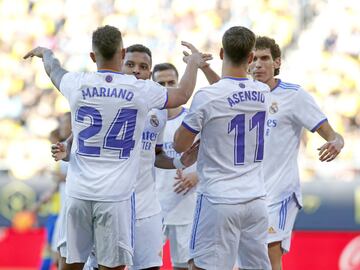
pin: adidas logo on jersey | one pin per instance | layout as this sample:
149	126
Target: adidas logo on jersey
271	230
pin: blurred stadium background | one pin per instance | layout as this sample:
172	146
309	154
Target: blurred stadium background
320	41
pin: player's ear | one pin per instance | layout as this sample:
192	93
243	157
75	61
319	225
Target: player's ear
93	57
221	54
277	62
251	57
122	54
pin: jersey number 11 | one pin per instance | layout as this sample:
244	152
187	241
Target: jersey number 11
238	124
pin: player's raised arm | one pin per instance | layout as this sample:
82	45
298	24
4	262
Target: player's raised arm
181	94
51	64
335	142
209	73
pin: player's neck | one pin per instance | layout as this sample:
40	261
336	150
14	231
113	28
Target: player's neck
109	65
272	83
235	72
172	113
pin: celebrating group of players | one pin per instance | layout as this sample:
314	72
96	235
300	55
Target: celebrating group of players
243	132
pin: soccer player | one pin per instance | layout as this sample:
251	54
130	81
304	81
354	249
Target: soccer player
64	132
177	209
148	225
230	220
291	110
108	116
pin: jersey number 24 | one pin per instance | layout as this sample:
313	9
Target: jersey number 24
125	121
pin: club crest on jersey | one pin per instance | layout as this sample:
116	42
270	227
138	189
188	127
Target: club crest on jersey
273	108
154	121
271	230
108	78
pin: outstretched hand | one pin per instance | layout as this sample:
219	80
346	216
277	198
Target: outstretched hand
204	57
330	150
38	52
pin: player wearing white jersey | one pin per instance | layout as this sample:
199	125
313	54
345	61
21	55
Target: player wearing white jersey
148	225
108	115
230	219
291	109
177	208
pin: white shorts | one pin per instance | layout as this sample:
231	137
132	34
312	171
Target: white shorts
108	226
282	217
148	242
61	237
179	238
91	262
225	233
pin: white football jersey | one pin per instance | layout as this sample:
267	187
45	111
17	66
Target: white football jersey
177	209
108	112
290	109
147	203
231	116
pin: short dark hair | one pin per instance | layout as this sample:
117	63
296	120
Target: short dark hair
164	66
139	48
238	42
263	43
107	40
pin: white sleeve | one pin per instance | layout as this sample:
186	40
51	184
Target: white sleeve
69	83
194	121
157	96
306	112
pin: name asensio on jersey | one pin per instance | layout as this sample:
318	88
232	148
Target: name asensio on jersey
246	96
91	92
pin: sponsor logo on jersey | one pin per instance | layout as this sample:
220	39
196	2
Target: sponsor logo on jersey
154	121
274	108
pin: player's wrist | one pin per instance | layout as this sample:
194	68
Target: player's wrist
178	163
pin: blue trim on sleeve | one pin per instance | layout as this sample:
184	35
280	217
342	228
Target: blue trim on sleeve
159	145
166	101
189	128
318	125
